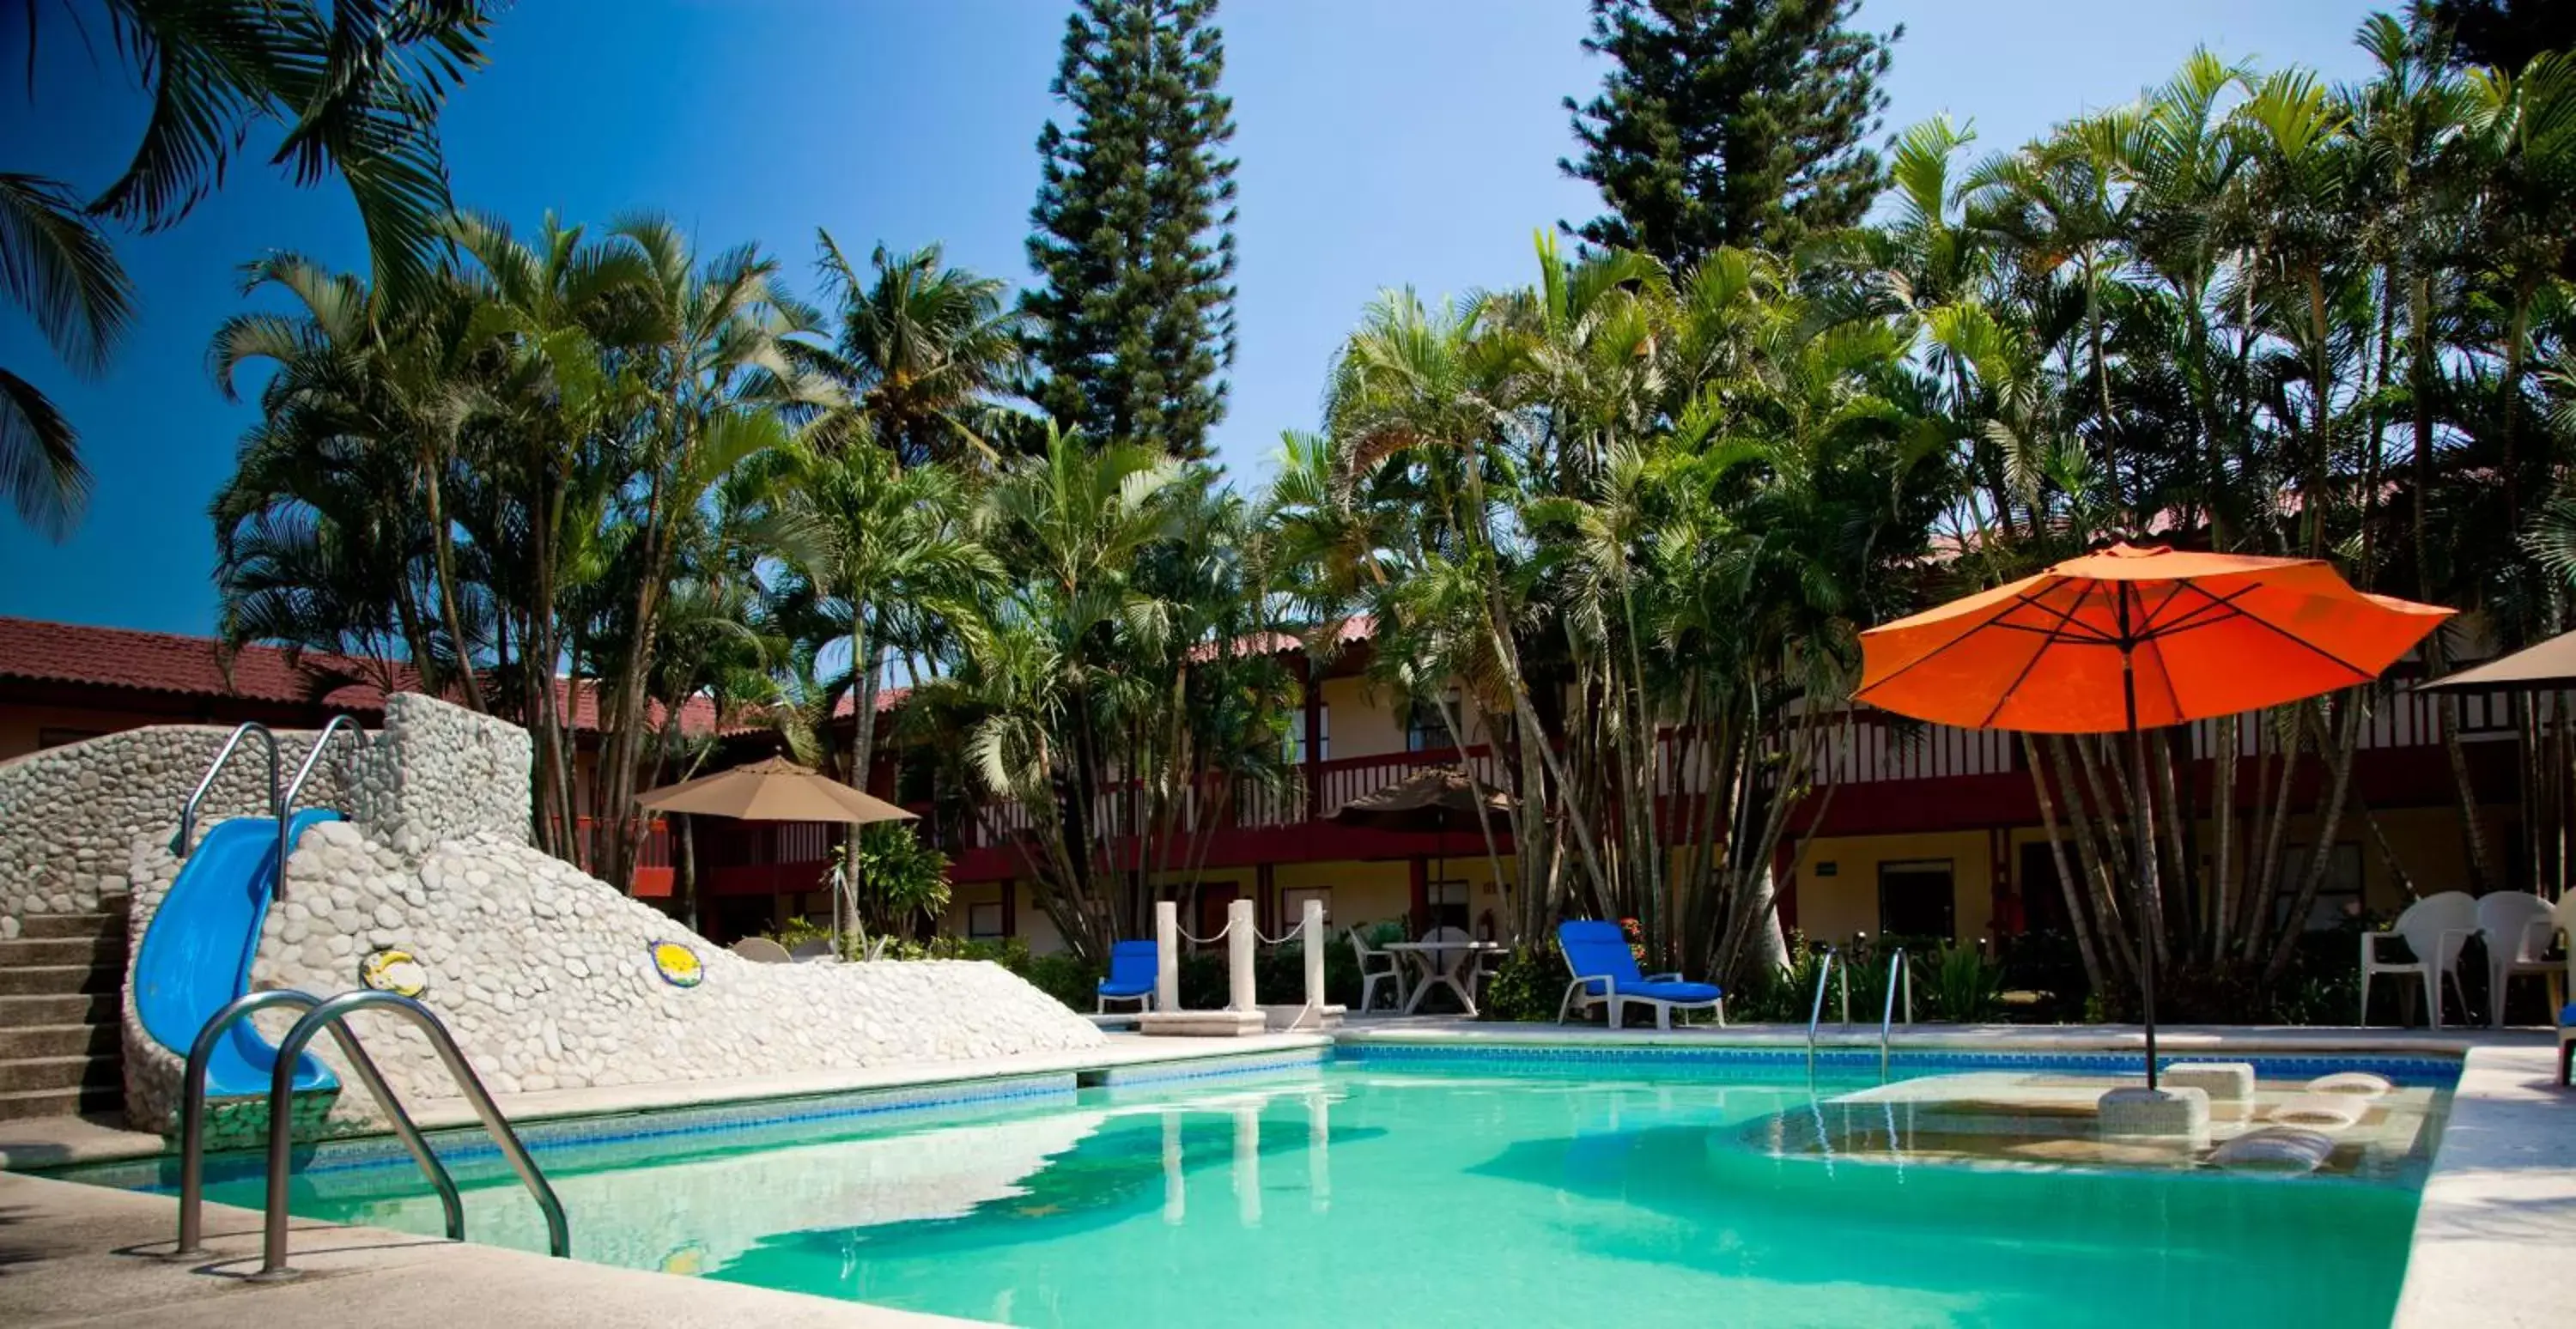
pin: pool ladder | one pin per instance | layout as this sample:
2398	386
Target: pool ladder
1834	967
1830	968
321	1016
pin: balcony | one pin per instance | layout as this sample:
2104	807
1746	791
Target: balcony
653	871
1928	777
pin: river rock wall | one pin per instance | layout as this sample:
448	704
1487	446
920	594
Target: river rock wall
69	816
550	979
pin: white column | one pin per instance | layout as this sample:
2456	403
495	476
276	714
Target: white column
1167	956
1314	944
1240	937
1247	1164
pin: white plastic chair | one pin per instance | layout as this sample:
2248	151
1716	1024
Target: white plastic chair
2435	928
1371	977
2518	929
2562	987
811	950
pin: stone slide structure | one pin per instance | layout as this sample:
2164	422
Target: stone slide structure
548	978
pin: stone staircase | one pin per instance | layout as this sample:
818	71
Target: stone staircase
61	1040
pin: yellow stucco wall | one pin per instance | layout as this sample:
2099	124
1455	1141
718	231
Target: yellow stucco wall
1833	907
22	726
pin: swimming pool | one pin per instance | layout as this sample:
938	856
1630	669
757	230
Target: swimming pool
1390	1186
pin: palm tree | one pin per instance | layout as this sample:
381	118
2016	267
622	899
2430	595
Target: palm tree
704	345
922	353
57	266
879	557
1109	698
379	392
355	85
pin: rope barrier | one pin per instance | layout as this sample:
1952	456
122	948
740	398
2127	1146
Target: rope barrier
1211	940
1296	933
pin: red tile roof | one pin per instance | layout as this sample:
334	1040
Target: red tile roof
40	651
187	666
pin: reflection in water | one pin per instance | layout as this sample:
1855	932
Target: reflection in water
1319	1152
1176	1192
1247	1164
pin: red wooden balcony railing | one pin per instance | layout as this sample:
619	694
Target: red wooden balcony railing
653	874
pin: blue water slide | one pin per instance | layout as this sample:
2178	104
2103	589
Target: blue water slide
196	953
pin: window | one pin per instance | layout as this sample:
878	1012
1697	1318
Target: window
1296	747
1448	900
984	921
2338	896
1916	898
1424	730
1292	904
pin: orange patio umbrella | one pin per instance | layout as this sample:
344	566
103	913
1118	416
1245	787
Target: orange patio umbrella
2135	638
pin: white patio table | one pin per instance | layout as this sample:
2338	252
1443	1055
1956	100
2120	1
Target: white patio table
1435	960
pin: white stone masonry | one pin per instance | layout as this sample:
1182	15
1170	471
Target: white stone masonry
546	976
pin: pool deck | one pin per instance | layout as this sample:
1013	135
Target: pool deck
85	1255
2495	1236
2490	1248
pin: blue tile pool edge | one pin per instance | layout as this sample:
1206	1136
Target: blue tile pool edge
468	1145
1560	1057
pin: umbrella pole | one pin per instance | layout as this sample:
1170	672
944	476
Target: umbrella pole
2151	905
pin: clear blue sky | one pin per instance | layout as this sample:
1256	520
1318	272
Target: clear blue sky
1384	143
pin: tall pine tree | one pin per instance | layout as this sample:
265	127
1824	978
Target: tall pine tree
1134	241
1729	122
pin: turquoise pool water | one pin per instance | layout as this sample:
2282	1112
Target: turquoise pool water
1352	1193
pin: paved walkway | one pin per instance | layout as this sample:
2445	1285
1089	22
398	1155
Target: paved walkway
87	1255
2495	1238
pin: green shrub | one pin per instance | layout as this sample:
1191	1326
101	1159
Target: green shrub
1528	985
1279	973
1965	985
1064	977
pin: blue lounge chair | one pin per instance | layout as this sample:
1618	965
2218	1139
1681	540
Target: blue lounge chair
1131	975
1605	970
2567	1045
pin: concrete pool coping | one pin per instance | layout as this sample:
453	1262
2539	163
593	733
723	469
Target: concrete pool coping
2497	1216
50	1142
88	1255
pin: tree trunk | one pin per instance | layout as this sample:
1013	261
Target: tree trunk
442	549
866	663
2077	921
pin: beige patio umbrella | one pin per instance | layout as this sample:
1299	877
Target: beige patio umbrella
776	789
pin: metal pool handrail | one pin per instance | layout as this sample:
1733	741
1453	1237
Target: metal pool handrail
1898	972
313	758
273	1266
1816	1011
192	1116
188	810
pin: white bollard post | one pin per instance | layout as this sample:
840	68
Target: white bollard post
1314	929
1240	937
1167	956
1247	1165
